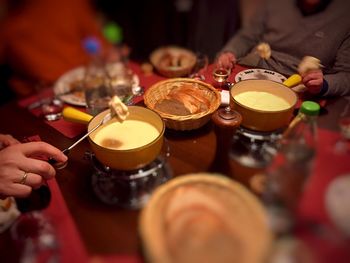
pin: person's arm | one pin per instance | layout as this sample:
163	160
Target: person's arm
339	79
244	40
249	36
21	171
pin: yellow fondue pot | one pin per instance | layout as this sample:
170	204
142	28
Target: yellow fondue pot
127	159
260	119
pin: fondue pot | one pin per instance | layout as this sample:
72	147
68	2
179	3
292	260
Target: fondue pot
264	120
122	159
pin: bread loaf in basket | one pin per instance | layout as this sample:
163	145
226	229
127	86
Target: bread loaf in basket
183	103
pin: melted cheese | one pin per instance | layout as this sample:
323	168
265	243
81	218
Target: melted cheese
127	135
261	100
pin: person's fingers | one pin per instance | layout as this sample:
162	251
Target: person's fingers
33	180
7	140
314	82
39	167
314	89
313	79
42	148
18	190
313	74
224	62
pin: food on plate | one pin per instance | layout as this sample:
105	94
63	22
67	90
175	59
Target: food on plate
184	99
126	135
76	88
169	60
308	63
118	109
264	50
261	100
172	61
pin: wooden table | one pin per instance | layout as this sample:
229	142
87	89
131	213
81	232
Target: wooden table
107	229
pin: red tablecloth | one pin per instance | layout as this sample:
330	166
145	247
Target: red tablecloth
317	229
71	130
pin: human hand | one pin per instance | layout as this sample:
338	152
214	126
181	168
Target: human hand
313	81
7	140
226	60
21	171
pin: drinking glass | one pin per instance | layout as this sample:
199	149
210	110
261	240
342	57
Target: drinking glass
50	107
52	110
200	67
122	82
97	98
35	238
220	75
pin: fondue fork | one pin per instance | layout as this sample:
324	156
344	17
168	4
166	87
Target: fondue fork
66	151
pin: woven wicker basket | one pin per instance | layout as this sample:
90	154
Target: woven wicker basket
180	71
160	90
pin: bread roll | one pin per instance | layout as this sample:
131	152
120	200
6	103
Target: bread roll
118	109
264	50
308	63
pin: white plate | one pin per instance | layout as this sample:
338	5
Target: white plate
259	74
77	98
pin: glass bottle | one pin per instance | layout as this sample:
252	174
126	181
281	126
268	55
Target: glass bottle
291	166
123	82
96	80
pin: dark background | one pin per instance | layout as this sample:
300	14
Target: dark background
200	25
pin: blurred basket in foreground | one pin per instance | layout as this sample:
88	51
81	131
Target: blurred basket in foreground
173	61
160	91
204	217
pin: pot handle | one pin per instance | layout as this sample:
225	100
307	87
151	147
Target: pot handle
293	80
74	115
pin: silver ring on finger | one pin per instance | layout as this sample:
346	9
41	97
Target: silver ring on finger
24	178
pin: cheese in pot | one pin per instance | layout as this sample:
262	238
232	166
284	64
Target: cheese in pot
127	135
261	100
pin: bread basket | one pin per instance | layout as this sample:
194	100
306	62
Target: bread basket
180	61
204	217
160	91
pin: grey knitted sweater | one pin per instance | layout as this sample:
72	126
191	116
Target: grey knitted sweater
291	36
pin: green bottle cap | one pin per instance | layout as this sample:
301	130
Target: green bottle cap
310	108
113	33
